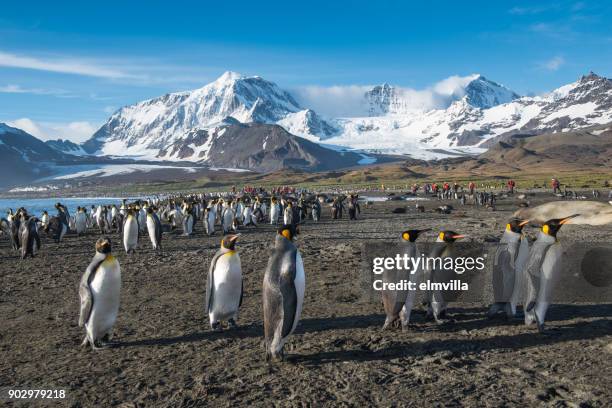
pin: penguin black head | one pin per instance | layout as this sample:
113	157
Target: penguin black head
551	227
103	245
150	210
449	236
288	231
516	225
229	241
412	235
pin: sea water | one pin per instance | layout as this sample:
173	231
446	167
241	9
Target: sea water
36	206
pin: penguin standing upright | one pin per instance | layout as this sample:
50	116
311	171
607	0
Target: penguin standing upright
224	286
288	214
510	257
28	236
542	271
443	248
99	292
227	219
274	211
130	231
154	228
209	220
80	221
316	211
188	220
283	292
398	304
44	219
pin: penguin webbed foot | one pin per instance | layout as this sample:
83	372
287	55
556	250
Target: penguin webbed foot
232	324
216	327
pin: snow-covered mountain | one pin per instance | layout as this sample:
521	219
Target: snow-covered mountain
475	110
464	127
147	127
24	157
66	146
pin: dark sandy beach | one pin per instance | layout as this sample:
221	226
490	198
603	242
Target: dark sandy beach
165	354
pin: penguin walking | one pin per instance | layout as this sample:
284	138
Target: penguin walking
130	232
510	257
99	292
443	248
80	221
398	304
224	287
154	229
283	292
542	271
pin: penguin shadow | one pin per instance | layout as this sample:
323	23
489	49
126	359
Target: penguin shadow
241	332
529	338
475	318
340	323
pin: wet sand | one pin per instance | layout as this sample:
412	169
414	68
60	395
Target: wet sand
165	354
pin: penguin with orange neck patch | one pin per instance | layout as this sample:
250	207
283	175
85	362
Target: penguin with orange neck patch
224	288
542	270
283	292
443	248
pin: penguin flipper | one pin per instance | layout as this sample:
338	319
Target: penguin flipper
85	290
210	286
289	294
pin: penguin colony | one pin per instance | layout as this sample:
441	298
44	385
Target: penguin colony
523	273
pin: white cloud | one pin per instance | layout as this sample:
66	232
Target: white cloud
553	64
349	101
18	89
75	131
62	65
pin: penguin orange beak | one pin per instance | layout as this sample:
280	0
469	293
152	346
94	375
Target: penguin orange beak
523	223
457	236
233	237
566	220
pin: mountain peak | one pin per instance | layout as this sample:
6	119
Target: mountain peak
229	76
484	93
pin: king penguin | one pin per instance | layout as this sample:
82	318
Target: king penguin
209	220
398	303
80	221
443	248
154	228
224	287
283	292
100	292
274	210
509	261
542	270
130	231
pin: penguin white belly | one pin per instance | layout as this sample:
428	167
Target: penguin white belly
81	223
105	290
130	234
151	231
300	288
287	217
211	222
274	214
189	224
227	287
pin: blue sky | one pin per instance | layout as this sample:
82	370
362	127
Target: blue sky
64	67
